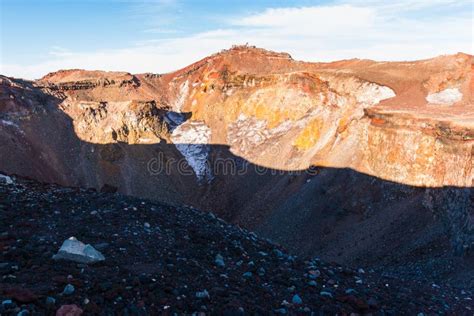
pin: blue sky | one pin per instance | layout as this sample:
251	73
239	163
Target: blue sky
163	35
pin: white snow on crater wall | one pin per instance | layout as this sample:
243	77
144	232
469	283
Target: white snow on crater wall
447	96
371	93
181	97
192	141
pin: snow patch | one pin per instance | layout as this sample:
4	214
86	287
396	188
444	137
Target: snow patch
248	132
447	97
371	93
192	141
182	95
336	99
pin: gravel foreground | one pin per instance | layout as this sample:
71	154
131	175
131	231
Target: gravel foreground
166	260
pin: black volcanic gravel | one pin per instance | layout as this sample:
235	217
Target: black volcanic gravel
161	260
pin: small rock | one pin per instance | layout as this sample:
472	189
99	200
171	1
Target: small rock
219	261
68	289
23	312
6	179
8	304
325	293
147	225
102	245
297	300
350	291
69	310
74	250
278	253
312	283
247	275
50	300
314	274
202	294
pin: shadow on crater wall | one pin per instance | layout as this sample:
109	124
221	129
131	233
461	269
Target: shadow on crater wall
337	214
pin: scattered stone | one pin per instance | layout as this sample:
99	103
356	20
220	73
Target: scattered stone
50	300
69	310
350	291
247	275
297	300
160	273
314	274
282	311
101	246
202	294
68	289
219	261
8	304
74	250
278	253
6	179
326	293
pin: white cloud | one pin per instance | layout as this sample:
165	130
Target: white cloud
352	29
317	20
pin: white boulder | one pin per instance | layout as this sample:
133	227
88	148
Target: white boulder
6	179
74	250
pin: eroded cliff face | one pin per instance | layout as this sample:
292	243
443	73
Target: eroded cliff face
297	151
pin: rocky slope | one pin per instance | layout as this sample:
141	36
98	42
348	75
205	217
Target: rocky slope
357	161
162	260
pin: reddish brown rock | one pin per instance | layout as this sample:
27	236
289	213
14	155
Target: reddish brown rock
20	294
69	310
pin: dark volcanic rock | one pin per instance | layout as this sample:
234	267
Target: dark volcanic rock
161	259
